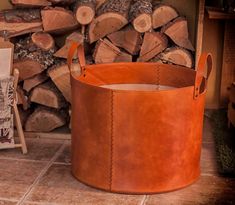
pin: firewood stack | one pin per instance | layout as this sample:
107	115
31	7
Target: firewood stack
115	31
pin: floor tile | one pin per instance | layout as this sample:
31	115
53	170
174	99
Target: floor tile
38	149
208	159
207	131
207	190
6	202
59	186
65	156
17	176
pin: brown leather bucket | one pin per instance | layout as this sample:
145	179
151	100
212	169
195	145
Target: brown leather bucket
137	139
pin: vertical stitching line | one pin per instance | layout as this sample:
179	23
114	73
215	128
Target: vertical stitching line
111	142
158	77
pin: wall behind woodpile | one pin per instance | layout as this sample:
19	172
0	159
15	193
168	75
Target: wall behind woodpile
213	43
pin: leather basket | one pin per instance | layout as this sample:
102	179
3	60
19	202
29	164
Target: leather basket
135	140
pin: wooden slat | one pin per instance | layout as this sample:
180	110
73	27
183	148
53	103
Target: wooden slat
200	27
228	67
218	14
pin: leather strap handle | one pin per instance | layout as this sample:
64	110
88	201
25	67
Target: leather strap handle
206	58
81	56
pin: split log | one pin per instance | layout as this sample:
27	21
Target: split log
106	52
141	15
27	68
63	52
111	17
177	56
60	75
44	119
47	94
17	22
30	3
58	20
123	57
178	33
85	11
30	59
128	39
22	99
30	83
62	2
154	43
43	40
163	14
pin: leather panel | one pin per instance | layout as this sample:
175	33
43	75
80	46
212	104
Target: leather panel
91	123
156	140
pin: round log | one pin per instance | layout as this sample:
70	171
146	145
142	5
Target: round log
43	40
140	15
85	11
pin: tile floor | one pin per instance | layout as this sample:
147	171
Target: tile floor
43	178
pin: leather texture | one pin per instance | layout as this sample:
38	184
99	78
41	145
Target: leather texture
131	141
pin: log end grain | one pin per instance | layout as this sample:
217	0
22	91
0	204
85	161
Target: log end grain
142	23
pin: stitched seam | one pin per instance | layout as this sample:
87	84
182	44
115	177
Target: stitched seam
111	142
158	77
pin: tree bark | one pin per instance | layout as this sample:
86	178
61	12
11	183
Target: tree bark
17	22
30	59
30	3
62	2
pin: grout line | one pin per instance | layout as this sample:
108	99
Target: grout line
42	203
23	160
210	174
41	174
62	163
145	198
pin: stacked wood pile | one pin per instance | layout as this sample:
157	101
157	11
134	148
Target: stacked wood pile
112	31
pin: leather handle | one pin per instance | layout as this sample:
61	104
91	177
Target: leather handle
206	58
81	56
